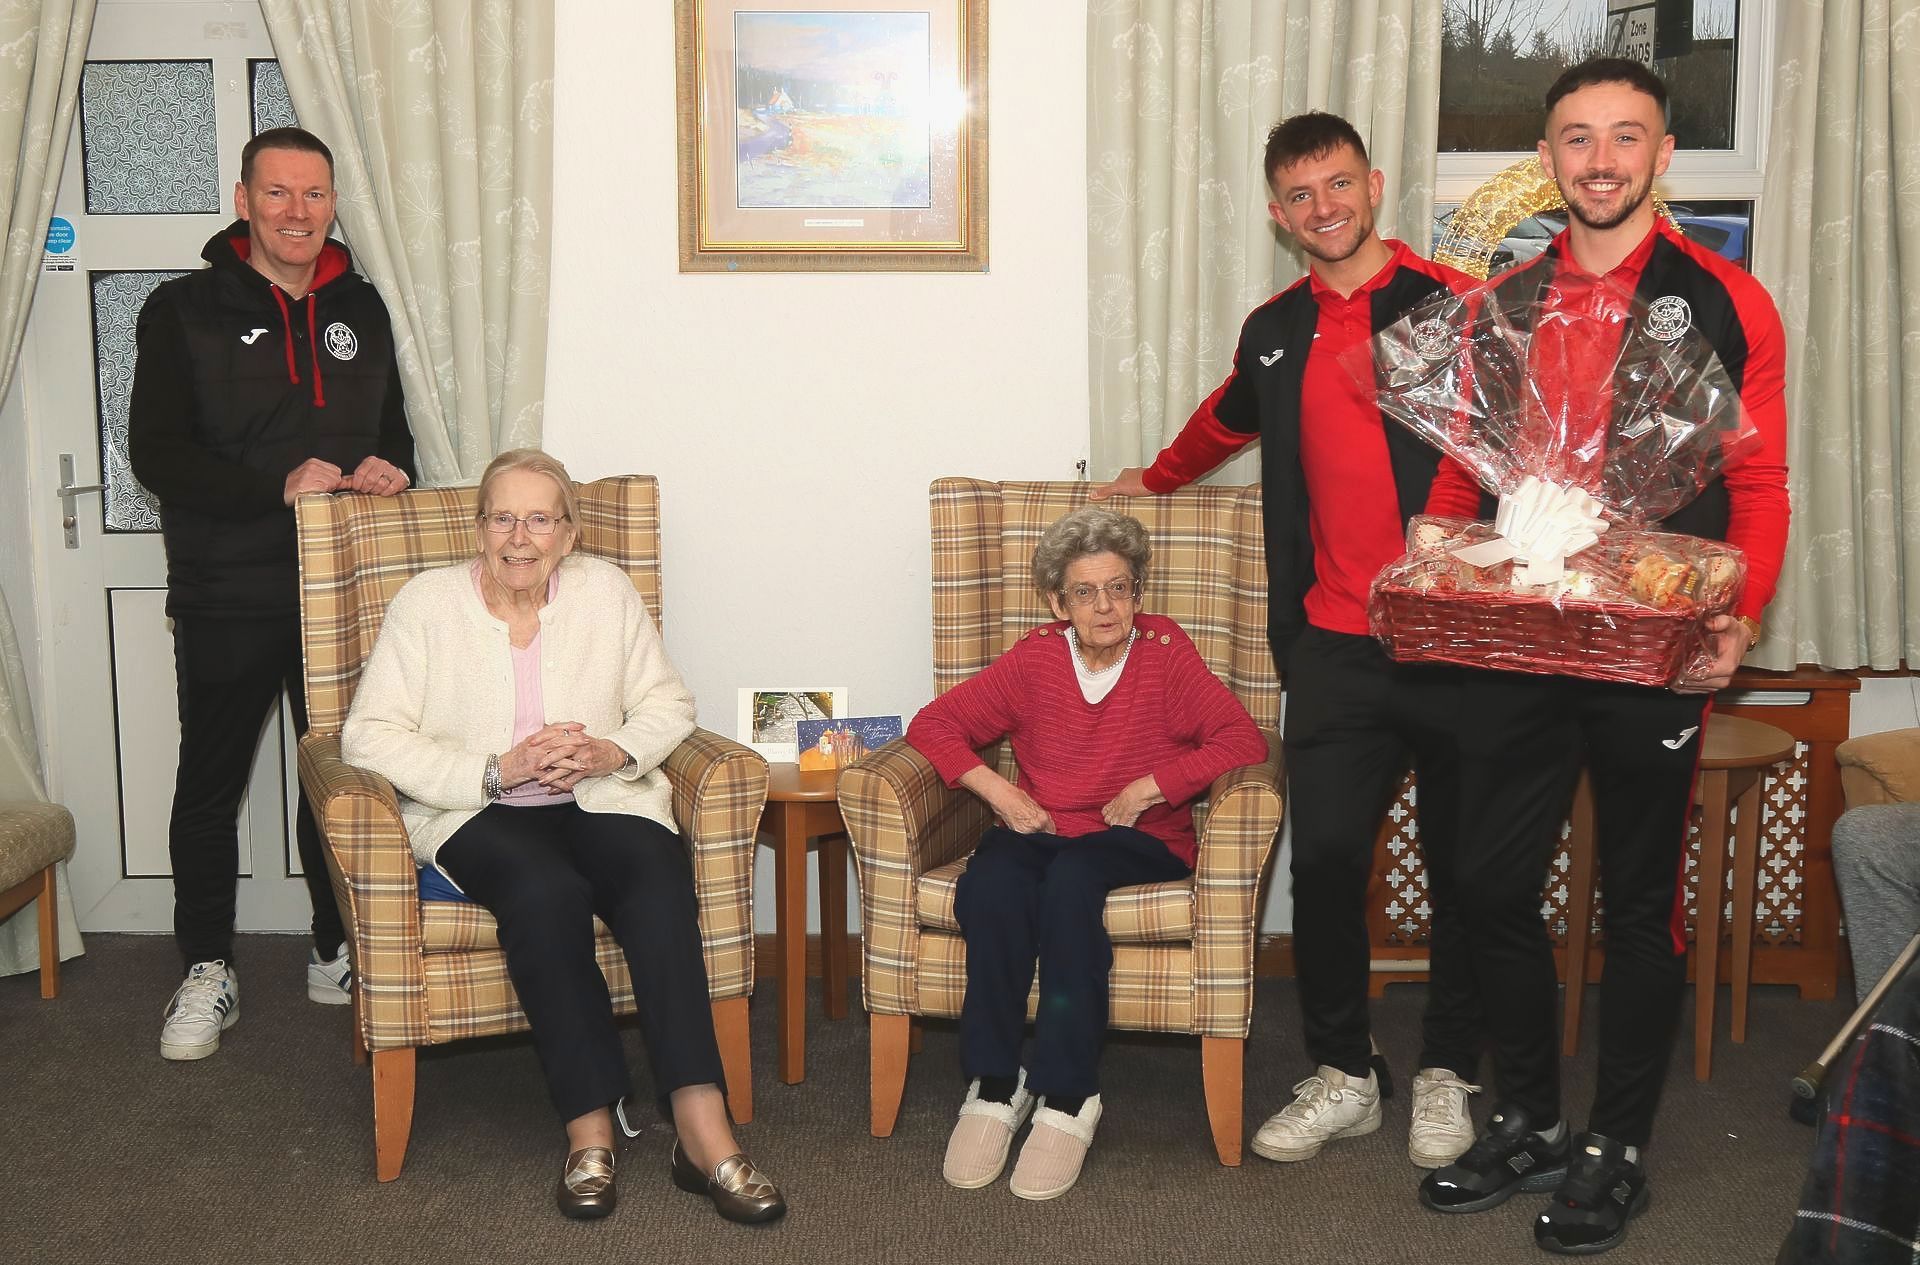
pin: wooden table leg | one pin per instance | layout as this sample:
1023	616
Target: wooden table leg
833	924
790	929
1746	861
1706	928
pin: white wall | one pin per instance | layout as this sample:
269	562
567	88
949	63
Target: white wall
796	420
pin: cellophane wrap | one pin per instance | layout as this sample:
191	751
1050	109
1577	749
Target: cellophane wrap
1591	417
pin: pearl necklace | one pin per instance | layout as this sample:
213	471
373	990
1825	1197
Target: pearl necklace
1074	641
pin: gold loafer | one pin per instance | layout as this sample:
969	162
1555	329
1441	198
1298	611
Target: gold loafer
586	1184
739	1191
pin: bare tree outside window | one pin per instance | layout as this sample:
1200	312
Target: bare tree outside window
1498	57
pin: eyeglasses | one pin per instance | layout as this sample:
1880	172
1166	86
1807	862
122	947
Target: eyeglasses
1087	594
501	523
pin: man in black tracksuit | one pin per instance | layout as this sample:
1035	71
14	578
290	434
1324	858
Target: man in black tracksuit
1338	487
267	376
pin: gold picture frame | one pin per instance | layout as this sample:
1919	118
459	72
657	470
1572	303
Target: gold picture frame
832	135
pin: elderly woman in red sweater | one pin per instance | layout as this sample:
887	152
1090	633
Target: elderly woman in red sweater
1117	726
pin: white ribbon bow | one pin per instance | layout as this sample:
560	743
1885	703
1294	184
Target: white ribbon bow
1542	524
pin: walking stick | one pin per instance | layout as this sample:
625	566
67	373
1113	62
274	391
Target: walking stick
1806	1086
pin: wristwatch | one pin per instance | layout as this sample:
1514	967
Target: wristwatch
1753	629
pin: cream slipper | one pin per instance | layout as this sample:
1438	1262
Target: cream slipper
977	1149
1050	1161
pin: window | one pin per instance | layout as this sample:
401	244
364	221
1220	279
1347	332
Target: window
1498	58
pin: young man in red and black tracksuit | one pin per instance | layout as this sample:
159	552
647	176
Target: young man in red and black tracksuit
1338	487
1525	738
266	376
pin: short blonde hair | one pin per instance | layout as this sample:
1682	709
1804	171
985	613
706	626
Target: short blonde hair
532	459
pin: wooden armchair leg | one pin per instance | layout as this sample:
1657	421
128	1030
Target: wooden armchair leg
736	1055
392	1110
1221	1065
49	936
359	1041
888	1042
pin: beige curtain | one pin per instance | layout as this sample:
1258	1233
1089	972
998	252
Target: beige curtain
1180	97
1838	244
440	117
42	48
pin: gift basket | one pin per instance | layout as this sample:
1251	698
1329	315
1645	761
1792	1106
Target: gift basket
1590	415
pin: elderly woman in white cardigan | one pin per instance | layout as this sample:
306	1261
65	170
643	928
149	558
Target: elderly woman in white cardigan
521	704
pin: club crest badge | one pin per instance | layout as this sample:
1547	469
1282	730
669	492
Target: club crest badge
1433	338
1668	317
341	342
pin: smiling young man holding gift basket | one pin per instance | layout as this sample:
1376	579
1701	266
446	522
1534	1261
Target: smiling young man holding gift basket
1623	394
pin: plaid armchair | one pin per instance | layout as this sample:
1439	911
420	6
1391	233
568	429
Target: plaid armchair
430	972
1183	952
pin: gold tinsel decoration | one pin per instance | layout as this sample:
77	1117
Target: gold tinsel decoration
1496	208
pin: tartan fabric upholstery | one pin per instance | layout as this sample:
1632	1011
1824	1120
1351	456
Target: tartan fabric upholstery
431	973
1183	952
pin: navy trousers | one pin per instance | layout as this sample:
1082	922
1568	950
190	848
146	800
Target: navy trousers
1036	900
544	873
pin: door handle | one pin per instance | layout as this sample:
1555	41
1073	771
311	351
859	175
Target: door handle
68	491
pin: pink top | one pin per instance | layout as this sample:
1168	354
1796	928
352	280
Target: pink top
529	707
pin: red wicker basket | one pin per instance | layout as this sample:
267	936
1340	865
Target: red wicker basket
1596	640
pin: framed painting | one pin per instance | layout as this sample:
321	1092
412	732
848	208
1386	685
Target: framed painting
832	135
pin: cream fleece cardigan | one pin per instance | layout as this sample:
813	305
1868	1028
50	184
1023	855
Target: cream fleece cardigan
436	698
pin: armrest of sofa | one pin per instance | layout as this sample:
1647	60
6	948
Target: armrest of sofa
1882	768
719	790
903	821
1243	820
377	886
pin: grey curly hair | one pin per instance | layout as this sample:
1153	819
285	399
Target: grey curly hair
1086	531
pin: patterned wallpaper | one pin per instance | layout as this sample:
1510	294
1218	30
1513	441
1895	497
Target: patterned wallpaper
147	138
267	89
117	298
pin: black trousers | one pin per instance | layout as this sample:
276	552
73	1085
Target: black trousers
1524	740
1038	899
544	873
1354	721
229	673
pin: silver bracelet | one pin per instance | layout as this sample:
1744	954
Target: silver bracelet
490	780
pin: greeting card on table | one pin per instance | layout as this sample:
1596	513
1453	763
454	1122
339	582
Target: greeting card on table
834	744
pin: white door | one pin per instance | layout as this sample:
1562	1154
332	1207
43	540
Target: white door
167	104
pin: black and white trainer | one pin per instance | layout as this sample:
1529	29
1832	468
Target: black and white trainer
1510	1157
1603	1191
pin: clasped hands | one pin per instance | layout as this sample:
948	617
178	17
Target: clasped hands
374	476
559	757
1023	815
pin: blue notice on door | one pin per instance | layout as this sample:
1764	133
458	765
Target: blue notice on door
60	244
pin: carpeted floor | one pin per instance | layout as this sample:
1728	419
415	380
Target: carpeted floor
263	1153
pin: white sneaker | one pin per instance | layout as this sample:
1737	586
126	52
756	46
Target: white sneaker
206	1004
1330	1105
329	981
1441	1131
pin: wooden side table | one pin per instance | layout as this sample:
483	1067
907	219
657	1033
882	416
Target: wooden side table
1735	752
800	809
